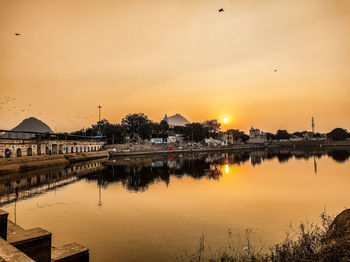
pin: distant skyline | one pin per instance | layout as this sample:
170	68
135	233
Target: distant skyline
271	64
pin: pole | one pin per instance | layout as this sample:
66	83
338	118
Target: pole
99	119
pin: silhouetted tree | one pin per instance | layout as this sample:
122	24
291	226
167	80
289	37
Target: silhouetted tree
213	127
196	132
270	136
145	130
132	123
237	135
283	134
164	126
338	134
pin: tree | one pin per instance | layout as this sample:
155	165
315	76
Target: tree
196	132
213	127
338	134
114	133
283	134
164	126
237	135
132	122
180	130
145	130
270	136
118	134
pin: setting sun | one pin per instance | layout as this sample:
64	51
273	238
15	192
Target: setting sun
225	120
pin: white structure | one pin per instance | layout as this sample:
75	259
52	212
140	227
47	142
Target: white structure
157	140
174	138
256	136
176	120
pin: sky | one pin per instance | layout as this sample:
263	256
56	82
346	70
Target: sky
176	56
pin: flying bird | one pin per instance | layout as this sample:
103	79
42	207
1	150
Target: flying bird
275	70
221	10
17	34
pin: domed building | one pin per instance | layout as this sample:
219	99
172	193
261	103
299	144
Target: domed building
30	124
176	120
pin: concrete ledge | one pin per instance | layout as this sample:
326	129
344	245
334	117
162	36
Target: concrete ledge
70	253
12	227
35	243
3	224
11	165
73	158
9	253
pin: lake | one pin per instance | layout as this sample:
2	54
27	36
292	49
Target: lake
157	208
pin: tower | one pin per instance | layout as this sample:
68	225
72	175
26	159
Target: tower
313	124
99	119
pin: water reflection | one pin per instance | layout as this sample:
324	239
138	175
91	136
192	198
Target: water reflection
24	185
138	173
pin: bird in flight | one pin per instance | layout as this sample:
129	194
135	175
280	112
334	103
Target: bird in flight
221	10
275	70
17	34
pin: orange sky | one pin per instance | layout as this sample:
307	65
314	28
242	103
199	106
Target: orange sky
177	56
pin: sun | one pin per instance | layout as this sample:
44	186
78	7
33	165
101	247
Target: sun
225	120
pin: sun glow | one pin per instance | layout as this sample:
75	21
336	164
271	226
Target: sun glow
225	120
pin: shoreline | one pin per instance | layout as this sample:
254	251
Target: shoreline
26	163
281	145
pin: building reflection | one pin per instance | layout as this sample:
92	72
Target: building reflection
24	185
138	173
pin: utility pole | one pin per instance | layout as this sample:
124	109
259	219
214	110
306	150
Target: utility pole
99	120
313	124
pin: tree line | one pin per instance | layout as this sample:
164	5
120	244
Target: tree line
139	126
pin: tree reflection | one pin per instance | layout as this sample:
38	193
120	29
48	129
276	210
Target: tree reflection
339	155
136	174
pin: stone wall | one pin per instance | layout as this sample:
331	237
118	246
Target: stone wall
18	148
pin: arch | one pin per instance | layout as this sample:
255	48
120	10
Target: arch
88	149
72	149
19	152
81	149
60	149
29	151
8	153
38	150
84	148
95	148
48	150
54	148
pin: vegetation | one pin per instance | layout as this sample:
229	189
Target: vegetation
237	135
283	134
308	243
139	126
338	134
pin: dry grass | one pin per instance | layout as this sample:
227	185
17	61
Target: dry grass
306	243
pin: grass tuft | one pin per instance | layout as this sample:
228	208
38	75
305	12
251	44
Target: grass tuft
306	243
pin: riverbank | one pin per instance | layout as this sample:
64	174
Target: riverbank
329	240
182	151
11	165
25	163
143	150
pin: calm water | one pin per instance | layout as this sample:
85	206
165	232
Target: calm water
155	208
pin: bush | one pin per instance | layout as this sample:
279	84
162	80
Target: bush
305	244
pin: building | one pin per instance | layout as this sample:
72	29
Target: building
30	124
176	120
157	140
256	136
